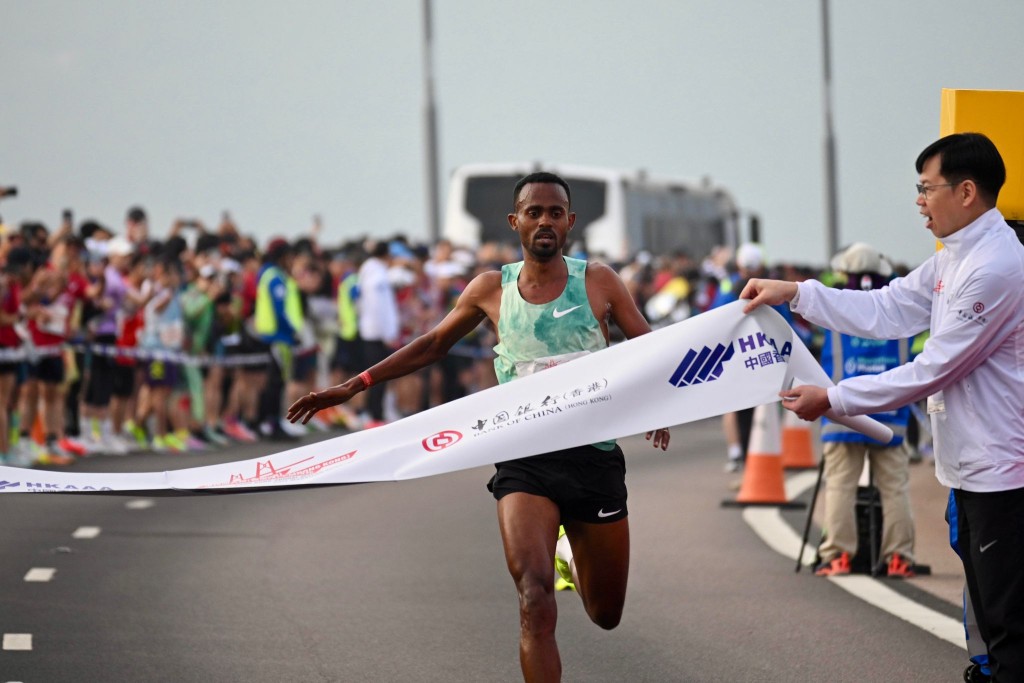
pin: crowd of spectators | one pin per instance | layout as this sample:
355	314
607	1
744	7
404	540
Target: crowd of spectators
114	341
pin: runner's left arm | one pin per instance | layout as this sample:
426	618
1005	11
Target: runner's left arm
469	311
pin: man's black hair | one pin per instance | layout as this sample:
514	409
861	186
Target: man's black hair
207	242
968	156
173	247
89	229
540	177
136	214
19	257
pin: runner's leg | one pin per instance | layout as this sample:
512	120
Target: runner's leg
529	527
600	554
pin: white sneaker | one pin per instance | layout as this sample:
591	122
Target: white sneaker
293	429
733	465
21	454
113	445
93	446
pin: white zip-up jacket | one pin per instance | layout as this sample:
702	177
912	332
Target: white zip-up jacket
971	296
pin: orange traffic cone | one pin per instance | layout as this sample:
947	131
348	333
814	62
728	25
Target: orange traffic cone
38	431
763	483
797	443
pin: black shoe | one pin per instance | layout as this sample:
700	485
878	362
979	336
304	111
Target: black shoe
974	674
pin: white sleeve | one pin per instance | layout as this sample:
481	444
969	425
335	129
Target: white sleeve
899	310
961	341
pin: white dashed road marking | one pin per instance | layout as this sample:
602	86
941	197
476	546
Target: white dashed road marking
17	641
140	504
86	532
40	574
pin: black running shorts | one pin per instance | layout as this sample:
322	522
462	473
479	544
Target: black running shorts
587	483
47	369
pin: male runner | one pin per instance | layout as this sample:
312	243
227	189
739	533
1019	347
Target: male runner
545	307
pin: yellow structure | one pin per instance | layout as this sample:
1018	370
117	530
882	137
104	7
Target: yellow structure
999	114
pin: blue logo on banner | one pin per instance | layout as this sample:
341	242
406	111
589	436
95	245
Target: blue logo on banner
9	484
701	366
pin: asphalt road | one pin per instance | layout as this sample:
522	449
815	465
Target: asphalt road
407	582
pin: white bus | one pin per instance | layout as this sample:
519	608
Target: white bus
618	213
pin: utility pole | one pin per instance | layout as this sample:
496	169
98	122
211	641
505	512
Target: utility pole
430	128
831	202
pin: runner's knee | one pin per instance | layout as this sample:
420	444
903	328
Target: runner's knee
538	610
605	616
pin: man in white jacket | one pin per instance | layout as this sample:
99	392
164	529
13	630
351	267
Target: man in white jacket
971	296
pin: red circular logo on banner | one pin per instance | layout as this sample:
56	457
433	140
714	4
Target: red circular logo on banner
442	440
979	307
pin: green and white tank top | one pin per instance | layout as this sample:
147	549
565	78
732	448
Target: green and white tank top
533	337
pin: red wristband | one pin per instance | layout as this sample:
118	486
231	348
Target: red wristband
367	380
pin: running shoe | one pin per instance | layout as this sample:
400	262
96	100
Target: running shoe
899	568
563	558
976	673
69	445
48	459
292	428
113	445
137	432
214	437
238	431
175	443
159	444
22	454
837	566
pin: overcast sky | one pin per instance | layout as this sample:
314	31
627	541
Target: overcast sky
277	111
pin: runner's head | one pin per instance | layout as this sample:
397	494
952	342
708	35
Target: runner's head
539	177
541	215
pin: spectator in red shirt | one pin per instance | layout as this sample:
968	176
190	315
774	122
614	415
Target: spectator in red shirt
16	273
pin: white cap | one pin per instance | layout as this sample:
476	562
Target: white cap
750	256
860	257
119	246
230	265
208	270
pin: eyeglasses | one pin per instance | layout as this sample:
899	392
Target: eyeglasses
925	189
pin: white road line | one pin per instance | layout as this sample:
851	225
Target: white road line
17	641
86	532
777	534
768	524
874	592
140	504
40	574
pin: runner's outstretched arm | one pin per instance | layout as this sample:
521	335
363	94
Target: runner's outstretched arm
469	311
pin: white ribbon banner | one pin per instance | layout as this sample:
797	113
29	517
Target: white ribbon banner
718	362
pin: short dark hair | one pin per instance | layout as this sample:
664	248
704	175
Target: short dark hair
136	214
540	177
968	156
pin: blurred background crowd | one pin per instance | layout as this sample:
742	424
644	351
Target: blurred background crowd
120	340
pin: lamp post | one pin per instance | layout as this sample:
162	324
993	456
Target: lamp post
831	203
430	127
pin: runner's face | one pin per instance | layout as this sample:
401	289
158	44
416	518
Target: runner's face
542	219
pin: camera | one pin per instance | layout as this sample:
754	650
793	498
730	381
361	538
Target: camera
8	192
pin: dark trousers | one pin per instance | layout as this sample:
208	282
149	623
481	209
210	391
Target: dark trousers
373	353
991	541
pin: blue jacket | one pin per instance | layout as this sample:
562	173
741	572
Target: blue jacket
844	356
